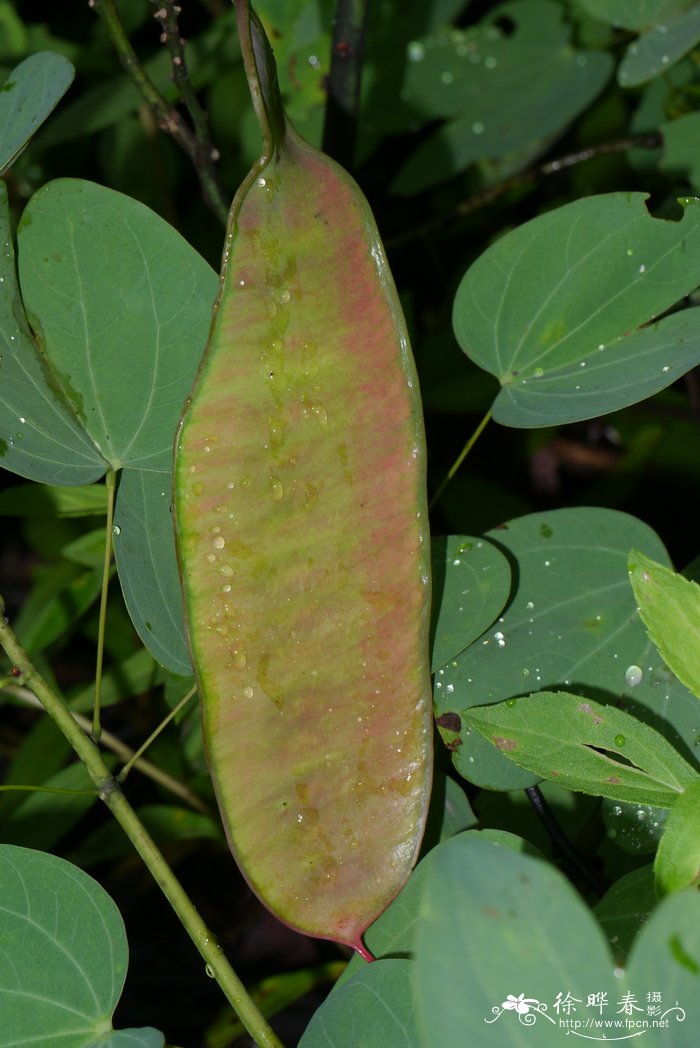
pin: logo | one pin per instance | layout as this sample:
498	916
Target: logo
595	1017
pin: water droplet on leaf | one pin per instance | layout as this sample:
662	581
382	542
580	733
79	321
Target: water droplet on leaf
633	676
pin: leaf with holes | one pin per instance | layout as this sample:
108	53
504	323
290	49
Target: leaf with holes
563	310
471	583
302	534
507	86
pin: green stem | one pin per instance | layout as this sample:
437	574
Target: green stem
121	777
110	482
124	752
167	117
461	457
110	792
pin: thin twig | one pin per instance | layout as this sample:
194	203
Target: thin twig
207	154
166	116
111	794
347	52
461	457
552	167
124	752
136	757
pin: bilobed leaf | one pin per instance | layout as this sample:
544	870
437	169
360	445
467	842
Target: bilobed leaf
27	97
503	940
680	154
40	438
471	583
491	927
633	14
625	907
562	310
666	954
302	535
64	959
393	933
670	609
144	550
113	291
635	828
374	1008
505	84
572	622
657	50
144	1037
578	743
677	863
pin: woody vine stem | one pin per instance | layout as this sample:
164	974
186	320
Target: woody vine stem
111	793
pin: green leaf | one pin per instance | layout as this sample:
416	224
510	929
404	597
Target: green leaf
555	309
457	814
677	863
166	823
572	621
41	819
144	550
27	97
559	736
669	606
300	491
393	933
680	154
490	926
635	828
146	1037
666	956
46	500
633	14
502	86
65	956
55	606
88	550
131	676
497	930
114	291
471	582
39	437
625	907
657	50
42	752
373	1009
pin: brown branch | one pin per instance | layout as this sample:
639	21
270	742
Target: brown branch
552	167
198	149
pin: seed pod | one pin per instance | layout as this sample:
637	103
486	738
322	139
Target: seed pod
301	524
